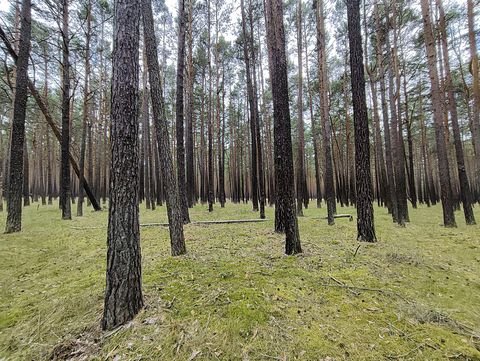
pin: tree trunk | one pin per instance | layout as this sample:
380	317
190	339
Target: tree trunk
452	108
65	193
443	167
475	126
86	110
300	171
365	222
16	169
190	169
390	183
123	294
284	174
325	113
179	115
174	211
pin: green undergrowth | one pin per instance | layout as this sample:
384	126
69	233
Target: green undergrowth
414	295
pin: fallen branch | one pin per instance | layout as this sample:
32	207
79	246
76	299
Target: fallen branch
349	216
233	221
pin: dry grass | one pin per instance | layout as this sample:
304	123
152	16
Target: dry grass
235	296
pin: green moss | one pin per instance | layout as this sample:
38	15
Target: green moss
235	295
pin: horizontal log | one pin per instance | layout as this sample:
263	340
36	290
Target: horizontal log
231	221
349	216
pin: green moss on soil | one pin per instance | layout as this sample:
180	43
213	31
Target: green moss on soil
235	296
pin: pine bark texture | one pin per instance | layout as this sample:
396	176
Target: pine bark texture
65	193
284	173
15	183
123	294
179	113
365	221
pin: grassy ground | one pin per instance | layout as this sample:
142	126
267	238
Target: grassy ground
235	296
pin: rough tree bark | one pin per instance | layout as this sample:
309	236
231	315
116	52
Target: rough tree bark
365	222
179	114
123	294
284	174
15	184
65	193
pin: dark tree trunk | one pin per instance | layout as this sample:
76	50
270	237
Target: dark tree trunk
284	174
65	193
174	211
179	115
123	294
465	194
26	176
443	167
16	168
365	223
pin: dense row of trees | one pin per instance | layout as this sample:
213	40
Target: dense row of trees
273	108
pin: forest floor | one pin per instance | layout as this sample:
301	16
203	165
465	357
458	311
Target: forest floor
414	295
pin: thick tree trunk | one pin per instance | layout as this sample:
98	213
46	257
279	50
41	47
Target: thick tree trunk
16	168
365	222
175	214
284	174
123	294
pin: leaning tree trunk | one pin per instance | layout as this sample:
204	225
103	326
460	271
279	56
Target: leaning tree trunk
443	167
365	223
284	174
15	184
123	294
174	211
